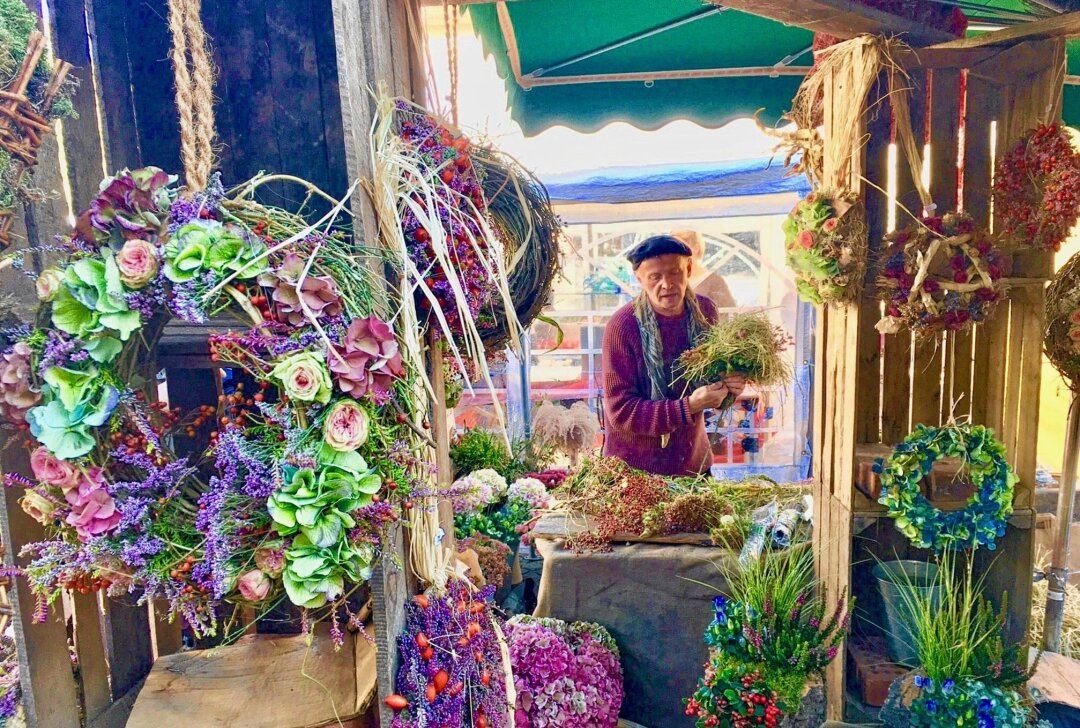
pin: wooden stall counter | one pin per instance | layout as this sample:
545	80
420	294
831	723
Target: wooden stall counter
655	598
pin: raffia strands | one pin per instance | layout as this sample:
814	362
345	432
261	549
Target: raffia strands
398	183
861	62
521	213
194	72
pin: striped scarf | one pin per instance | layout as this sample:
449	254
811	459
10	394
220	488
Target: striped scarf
653	346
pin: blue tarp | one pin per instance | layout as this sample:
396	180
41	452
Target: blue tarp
738	178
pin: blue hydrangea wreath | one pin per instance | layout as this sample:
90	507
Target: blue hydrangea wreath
984	518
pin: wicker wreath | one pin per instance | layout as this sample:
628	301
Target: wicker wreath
825	244
1062	339
942	274
1037	189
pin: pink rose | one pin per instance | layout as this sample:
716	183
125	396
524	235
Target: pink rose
93	514
346	426
830	224
138	263
1074	334
37	507
805	239
53	471
88	481
254	585
1075	317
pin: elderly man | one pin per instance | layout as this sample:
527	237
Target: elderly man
649	423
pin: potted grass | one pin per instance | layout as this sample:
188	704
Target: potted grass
966	674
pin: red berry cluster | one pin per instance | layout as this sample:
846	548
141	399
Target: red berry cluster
132	440
1037	189
756	703
86	584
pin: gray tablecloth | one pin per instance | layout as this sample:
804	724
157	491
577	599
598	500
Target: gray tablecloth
646	596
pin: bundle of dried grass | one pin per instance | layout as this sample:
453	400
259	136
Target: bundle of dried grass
570	431
746	343
861	62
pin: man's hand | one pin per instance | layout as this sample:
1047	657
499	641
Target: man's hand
735	383
710	396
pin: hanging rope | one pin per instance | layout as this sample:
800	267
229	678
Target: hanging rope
450	20
194	72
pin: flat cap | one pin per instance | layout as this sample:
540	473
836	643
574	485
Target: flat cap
656	246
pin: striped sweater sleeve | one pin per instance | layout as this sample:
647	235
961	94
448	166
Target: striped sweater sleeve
627	406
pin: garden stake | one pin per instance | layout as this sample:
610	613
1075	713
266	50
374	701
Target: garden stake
1058	575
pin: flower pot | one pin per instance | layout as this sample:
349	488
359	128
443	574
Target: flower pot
894	578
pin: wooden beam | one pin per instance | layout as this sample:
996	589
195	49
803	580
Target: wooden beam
841	18
529	81
1060	26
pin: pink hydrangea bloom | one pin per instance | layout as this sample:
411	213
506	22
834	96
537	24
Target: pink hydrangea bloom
368	360
16	391
319	293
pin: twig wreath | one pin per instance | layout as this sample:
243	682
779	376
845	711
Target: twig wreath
984	518
1037	189
940	274
1061	341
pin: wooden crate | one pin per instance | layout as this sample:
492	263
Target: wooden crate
969	104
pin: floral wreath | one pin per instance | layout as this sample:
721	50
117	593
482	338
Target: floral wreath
1037	189
825	242
942	274
984	518
319	440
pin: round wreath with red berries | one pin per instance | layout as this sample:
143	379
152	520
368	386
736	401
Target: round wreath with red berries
1037	189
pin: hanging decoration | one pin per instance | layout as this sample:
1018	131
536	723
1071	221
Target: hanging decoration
1037	189
984	519
825	245
36	91
1062	338
521	216
296	507
939	274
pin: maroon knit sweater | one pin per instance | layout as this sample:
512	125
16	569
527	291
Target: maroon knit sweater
633	422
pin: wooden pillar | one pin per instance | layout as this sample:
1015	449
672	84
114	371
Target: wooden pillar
373	48
48	683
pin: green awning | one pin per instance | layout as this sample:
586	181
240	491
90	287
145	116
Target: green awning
686	60
551	32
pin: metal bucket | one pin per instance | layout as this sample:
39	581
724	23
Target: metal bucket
894	578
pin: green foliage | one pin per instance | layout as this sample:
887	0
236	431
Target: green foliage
500	525
479	449
775	619
200	246
957	635
313	575
745	343
71	407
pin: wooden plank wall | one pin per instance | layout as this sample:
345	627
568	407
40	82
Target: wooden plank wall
990	374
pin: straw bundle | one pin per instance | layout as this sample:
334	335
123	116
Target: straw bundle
746	343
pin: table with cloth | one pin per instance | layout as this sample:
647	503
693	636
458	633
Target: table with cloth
653	599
